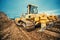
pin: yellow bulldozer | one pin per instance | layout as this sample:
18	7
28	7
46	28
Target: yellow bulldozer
33	18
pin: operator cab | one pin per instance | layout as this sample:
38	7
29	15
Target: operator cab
32	9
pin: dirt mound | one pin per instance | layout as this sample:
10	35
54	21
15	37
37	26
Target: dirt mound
4	21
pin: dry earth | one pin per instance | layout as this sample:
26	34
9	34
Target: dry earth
10	31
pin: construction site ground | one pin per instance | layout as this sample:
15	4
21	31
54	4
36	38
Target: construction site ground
10	31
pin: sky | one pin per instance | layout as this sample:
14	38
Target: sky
15	8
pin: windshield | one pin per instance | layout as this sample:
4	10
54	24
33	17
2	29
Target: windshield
33	9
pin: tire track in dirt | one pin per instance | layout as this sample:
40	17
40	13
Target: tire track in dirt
25	33
18	33
52	33
30	35
22	34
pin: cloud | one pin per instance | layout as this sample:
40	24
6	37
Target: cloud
56	11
